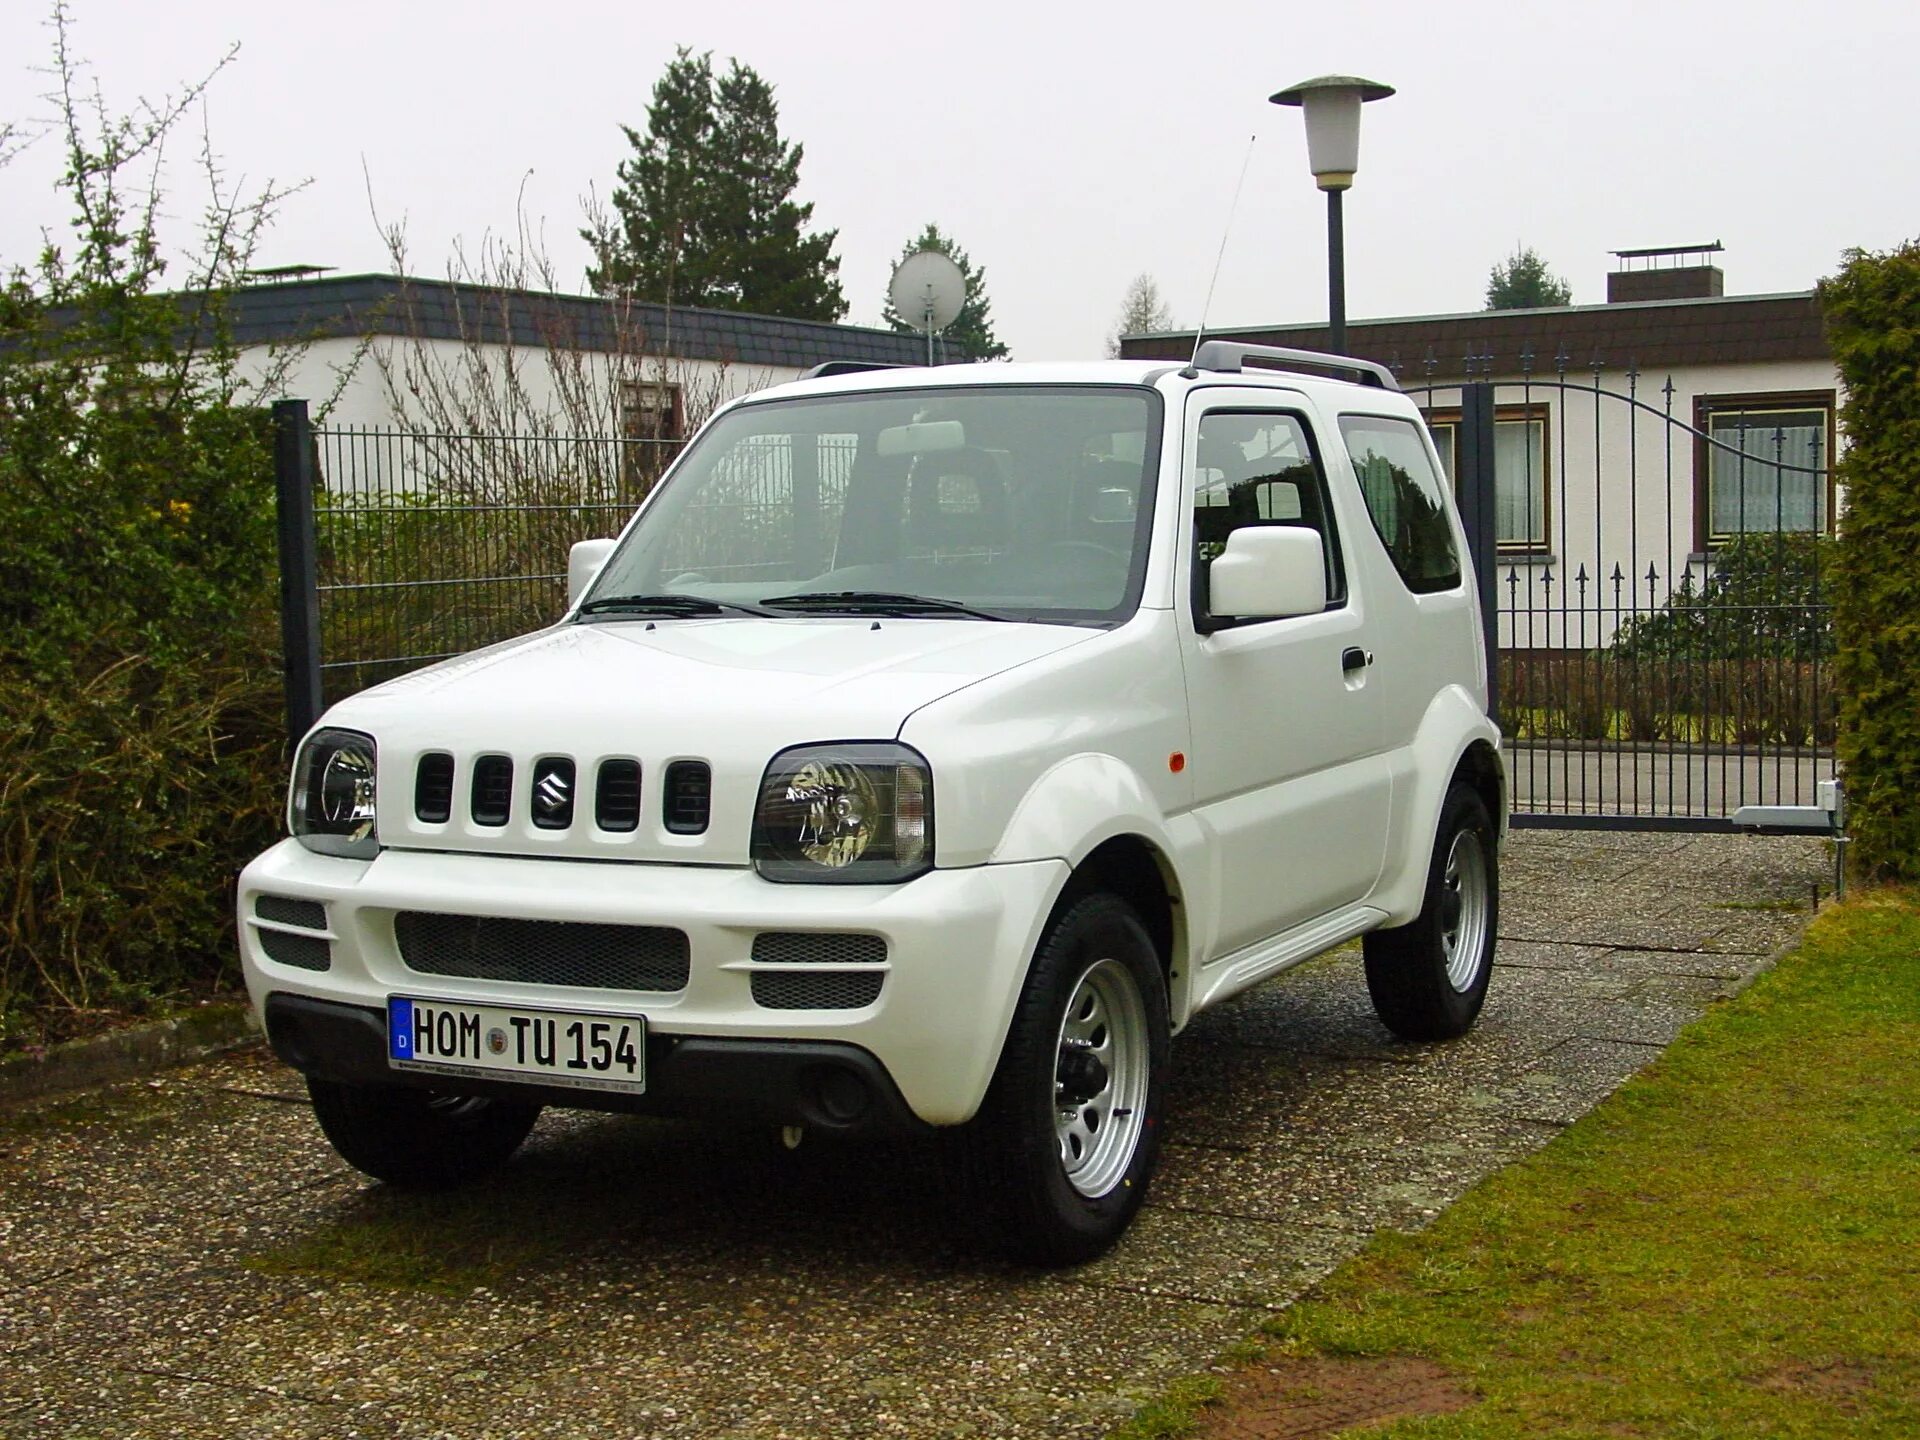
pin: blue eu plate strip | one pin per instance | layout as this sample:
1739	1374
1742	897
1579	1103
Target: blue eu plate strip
399	1029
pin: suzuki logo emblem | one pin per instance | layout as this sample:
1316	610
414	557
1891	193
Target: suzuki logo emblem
551	793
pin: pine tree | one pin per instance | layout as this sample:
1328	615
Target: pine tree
704	213
971	333
778	268
1523	282
1142	312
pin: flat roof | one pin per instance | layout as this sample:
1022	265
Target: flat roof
355	306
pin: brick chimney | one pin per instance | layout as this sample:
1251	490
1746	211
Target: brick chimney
1669	272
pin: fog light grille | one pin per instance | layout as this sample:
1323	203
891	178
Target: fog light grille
287	911
816	989
303	952
813	989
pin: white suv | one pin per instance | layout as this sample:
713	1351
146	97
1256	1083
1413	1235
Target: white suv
930	747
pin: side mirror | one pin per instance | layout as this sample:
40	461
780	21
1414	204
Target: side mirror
583	563
1269	571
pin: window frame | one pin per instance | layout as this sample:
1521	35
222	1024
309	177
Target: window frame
1763	402
1339	589
1536	411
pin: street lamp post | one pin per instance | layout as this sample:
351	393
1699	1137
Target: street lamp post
1331	107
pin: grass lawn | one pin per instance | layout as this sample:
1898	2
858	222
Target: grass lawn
1728	1247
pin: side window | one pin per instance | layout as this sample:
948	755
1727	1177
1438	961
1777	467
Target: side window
1405	499
1259	469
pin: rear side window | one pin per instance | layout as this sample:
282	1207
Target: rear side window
1405	500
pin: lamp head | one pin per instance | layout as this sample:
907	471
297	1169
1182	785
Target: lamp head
1331	105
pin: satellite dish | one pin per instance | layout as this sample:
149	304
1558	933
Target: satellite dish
927	290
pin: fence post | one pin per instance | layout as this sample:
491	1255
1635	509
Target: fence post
1477	514
299	573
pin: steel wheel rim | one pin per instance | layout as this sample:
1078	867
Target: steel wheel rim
1098	1115
1464	895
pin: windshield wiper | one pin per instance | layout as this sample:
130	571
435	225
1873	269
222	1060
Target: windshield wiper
681	607
875	602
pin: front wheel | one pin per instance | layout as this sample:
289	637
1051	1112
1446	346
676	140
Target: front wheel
1058	1159
419	1139
1428	978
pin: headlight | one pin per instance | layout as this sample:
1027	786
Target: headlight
853	814
331	808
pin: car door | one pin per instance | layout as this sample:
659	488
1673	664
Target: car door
1290	780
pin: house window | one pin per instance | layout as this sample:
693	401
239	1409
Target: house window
652	423
1764	465
1519	473
651	410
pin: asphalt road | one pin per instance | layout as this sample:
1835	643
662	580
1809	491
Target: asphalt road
185	1257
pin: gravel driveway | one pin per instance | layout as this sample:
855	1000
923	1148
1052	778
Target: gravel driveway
185	1257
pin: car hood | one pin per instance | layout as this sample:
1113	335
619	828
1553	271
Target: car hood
729	692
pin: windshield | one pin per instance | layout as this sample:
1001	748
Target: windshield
992	502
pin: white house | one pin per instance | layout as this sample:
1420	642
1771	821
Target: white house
1632	439
378	352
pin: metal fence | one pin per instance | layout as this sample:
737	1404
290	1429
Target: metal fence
429	545
1656	596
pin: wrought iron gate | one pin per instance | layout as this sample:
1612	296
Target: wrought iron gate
1654	593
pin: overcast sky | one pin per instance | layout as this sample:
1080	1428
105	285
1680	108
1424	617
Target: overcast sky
1067	147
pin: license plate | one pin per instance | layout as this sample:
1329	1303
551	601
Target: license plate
495	1042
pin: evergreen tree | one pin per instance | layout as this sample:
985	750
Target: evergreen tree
704	213
778	268
971	333
1142	312
1523	282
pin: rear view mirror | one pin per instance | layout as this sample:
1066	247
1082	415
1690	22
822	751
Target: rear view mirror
1269	571
583	564
923	437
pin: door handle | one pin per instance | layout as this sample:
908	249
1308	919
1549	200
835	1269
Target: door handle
1354	658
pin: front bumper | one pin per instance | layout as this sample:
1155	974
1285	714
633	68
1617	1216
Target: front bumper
957	947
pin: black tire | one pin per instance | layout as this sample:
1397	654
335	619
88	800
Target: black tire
1424	985
1045	1189
419	1139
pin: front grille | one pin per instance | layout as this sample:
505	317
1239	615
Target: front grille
492	799
817	989
284	910
433	789
616	801
304	952
553	793
689	796
543	952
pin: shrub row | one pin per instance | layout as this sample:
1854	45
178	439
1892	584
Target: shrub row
1595	696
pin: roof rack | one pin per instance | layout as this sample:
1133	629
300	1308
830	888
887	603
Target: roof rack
1229	356
848	367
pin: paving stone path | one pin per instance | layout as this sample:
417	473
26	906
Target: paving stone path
185	1257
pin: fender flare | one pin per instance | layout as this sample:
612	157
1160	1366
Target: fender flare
1453	724
1077	805
1082	803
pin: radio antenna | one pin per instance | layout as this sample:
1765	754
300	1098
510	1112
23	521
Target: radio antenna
1193	363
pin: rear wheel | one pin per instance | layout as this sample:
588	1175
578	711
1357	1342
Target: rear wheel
1428	979
1058	1158
419	1139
